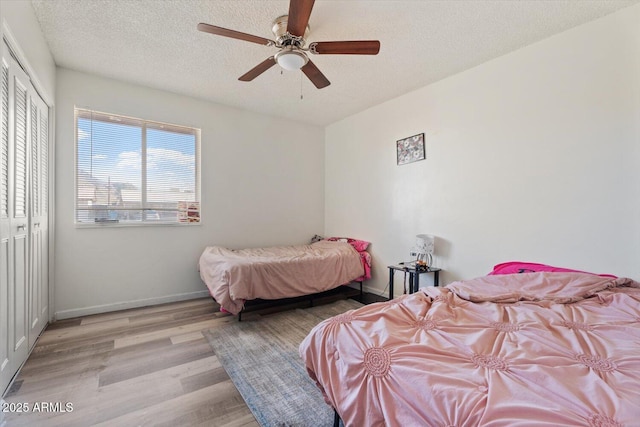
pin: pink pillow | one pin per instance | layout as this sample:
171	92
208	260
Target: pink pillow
514	267
358	245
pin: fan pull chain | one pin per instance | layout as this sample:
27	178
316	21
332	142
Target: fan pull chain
301	97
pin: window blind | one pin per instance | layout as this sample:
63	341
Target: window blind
135	171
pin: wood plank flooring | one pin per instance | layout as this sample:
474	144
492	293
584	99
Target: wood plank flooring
146	366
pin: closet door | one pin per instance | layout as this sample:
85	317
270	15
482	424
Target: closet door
43	220
18	289
6	270
17	222
38	283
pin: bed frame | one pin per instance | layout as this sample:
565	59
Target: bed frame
285	301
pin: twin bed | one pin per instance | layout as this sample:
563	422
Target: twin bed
542	348
234	276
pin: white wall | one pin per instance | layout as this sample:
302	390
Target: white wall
534	156
262	184
19	20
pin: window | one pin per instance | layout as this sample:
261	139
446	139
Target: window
133	171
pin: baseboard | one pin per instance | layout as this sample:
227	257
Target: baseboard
97	309
370	289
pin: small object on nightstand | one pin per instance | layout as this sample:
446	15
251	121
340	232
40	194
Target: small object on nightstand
414	271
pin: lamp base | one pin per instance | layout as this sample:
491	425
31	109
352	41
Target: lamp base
425	260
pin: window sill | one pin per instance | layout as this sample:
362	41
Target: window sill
140	224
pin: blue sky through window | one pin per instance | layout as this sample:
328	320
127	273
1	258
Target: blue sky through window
113	151
117	156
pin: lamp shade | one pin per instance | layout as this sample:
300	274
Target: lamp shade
425	243
291	59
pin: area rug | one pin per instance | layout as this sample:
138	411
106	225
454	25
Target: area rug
260	354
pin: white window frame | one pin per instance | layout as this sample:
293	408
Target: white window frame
143	124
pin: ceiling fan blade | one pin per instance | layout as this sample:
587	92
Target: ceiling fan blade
357	47
316	77
299	12
219	31
258	69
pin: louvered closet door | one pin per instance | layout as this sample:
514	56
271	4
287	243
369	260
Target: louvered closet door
38	283
17	222
6	270
43	217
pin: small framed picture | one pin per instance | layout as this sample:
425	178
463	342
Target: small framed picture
411	149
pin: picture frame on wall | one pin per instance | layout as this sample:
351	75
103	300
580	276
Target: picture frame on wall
410	149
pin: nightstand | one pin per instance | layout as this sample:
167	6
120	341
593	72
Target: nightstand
414	275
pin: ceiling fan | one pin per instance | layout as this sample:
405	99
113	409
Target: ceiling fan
291	31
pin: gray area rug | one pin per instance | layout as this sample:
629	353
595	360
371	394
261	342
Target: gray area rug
260	354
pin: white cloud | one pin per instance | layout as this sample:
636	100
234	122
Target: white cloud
83	134
162	158
128	160
165	169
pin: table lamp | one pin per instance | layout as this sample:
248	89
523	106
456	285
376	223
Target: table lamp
425	246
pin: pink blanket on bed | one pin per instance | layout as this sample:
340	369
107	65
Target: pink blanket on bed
516	350
234	276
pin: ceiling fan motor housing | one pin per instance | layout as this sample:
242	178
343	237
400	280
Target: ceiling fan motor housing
283	38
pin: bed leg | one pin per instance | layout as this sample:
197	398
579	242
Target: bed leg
240	316
361	295
336	419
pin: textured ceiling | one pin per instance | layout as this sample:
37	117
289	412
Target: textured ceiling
155	43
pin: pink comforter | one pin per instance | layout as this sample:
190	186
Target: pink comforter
234	276
517	350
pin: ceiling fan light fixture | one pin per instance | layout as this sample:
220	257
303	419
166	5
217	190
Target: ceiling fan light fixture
290	59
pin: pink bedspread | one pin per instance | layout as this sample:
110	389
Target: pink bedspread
234	276
517	350
365	258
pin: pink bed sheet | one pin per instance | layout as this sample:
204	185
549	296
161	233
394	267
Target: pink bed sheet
518	350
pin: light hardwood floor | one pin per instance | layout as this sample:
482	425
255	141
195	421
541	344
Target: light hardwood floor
146	366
